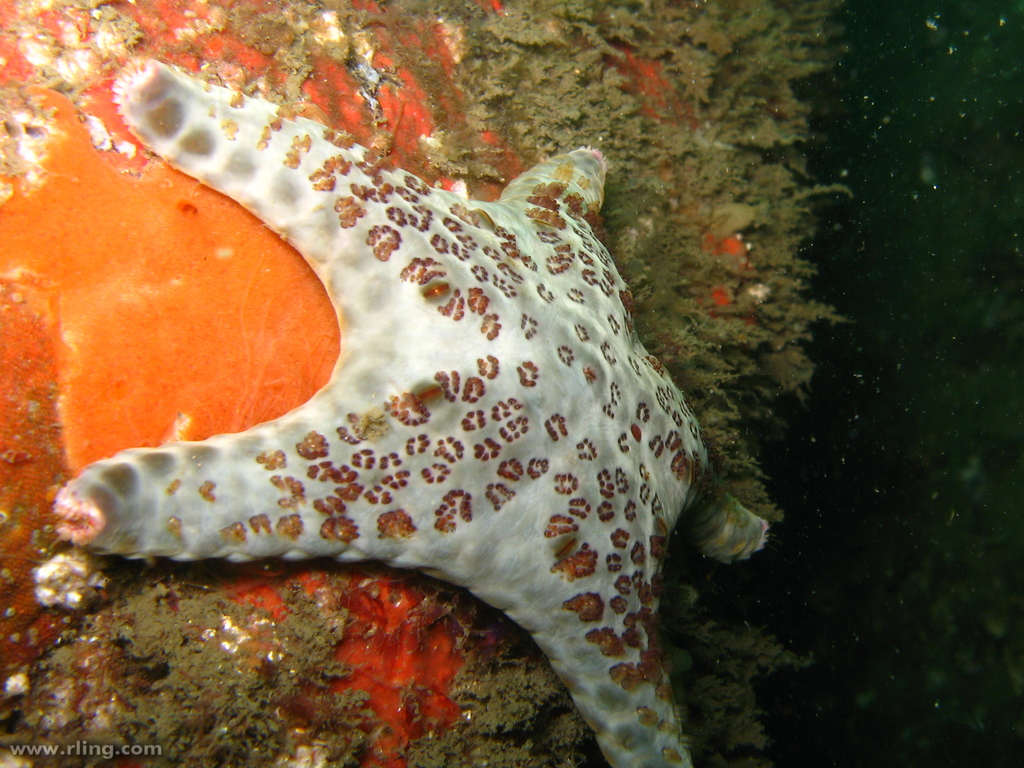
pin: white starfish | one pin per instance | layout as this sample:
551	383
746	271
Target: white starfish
492	419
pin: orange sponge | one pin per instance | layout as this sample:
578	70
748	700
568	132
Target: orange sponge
172	303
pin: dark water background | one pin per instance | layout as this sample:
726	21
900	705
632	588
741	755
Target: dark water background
901	564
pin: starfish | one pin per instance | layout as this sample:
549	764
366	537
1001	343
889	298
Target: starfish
492	419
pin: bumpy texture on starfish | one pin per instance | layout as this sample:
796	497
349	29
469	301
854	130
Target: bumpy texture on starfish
492	419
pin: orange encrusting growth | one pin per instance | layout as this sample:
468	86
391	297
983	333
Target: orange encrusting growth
646	78
179	313
30	467
732	252
395	645
403	660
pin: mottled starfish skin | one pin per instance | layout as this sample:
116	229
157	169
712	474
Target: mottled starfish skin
492	419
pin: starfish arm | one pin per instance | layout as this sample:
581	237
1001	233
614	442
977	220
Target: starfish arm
634	716
604	644
295	174
279	489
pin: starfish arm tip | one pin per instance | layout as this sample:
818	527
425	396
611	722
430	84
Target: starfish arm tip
597	154
80	521
727	531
